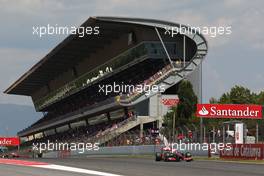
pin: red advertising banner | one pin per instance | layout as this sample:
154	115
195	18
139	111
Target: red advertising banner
229	111
170	101
9	141
243	151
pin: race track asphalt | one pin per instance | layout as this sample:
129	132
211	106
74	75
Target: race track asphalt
138	167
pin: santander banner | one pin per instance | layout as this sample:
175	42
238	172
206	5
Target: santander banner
9	141
229	111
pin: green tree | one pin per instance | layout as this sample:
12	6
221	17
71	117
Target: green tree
241	95
260	98
188	100
225	98
185	109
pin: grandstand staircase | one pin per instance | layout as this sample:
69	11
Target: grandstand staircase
172	76
123	128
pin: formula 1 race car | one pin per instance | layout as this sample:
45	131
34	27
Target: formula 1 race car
9	155
5	154
168	154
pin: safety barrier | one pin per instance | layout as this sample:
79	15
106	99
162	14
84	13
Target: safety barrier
120	150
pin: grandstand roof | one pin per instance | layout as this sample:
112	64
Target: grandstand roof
71	51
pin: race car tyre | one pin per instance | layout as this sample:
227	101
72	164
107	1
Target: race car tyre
158	156
178	159
189	156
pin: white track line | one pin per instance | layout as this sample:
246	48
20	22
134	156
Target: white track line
74	169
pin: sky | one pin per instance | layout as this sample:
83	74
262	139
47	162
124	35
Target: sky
235	59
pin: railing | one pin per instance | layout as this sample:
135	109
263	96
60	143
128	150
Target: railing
151	81
120	128
150	49
70	114
154	80
113	131
98	72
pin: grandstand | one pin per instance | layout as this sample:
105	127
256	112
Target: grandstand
64	85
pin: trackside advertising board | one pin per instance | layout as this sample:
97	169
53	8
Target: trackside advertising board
229	111
170	100
243	151
239	130
9	141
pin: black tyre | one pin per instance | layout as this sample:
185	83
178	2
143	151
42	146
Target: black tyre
158	156
178	158
188	155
